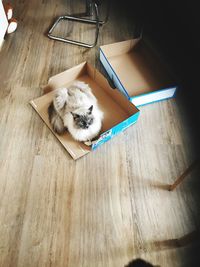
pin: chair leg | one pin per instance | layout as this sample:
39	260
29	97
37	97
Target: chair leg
89	12
183	175
188	238
96	22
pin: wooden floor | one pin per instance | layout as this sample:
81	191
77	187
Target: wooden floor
110	206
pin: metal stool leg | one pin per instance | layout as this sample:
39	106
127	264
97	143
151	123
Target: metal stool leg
89	6
89	12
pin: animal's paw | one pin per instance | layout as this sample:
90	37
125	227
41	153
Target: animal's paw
88	143
60	98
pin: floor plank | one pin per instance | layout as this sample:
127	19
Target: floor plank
112	205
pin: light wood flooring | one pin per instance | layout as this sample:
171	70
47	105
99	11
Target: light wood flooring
112	205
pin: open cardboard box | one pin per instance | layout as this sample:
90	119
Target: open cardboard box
137	71
119	112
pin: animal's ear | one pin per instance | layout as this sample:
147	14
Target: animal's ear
75	116
90	109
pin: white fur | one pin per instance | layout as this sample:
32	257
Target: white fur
60	98
84	134
77	99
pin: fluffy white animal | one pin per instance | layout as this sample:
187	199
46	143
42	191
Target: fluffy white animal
75	109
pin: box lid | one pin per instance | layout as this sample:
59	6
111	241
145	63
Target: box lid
138	69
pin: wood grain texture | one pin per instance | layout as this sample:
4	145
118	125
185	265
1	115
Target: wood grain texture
110	206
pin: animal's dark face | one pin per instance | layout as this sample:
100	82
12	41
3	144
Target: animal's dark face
83	121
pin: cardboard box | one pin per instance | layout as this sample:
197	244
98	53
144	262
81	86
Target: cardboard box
119	113
137	71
